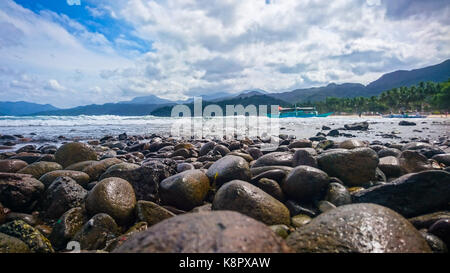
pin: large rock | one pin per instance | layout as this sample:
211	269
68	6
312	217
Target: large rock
352	144
406	123
388	152
27	234
413	161
28	157
390	166
185	190
12	165
412	194
427	220
80	165
74	152
338	195
95	170
206	148
442	230
275	159
302	143
271	187
228	168
119	170
250	200
305	183
113	196
354	167
145	179
40	168
366	228
151	213
277	175
425	149
9	244
67	227
96	232
443	159
206	232
63	194
305	156
358	126
80	177
20	192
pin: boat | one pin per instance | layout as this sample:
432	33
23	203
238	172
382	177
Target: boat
298	112
404	116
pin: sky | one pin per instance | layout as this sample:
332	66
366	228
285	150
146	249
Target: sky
77	52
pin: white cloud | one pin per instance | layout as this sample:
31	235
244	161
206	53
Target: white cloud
54	85
74	2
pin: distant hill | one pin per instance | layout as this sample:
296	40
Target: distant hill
435	73
120	109
150	99
254	100
21	108
320	93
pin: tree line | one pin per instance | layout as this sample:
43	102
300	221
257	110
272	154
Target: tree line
424	97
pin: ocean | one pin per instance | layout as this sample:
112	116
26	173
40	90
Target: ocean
47	129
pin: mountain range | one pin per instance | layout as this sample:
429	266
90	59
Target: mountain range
20	108
151	104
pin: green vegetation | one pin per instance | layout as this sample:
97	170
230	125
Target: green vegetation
429	96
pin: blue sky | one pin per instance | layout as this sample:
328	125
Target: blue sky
77	52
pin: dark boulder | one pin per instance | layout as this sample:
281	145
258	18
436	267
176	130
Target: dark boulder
358	126
206	232
412	194
354	167
305	184
185	190
365	228
20	192
250	200
274	159
228	168
63	194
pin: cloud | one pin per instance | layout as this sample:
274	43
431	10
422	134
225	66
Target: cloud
54	85
74	2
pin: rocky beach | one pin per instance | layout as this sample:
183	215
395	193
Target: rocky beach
334	190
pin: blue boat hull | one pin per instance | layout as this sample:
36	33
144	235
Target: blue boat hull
299	115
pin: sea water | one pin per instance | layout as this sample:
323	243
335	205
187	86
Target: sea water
43	129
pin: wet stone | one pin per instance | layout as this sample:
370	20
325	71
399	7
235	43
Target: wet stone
358	228
206	232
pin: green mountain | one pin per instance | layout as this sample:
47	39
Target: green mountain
320	93
244	101
434	73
